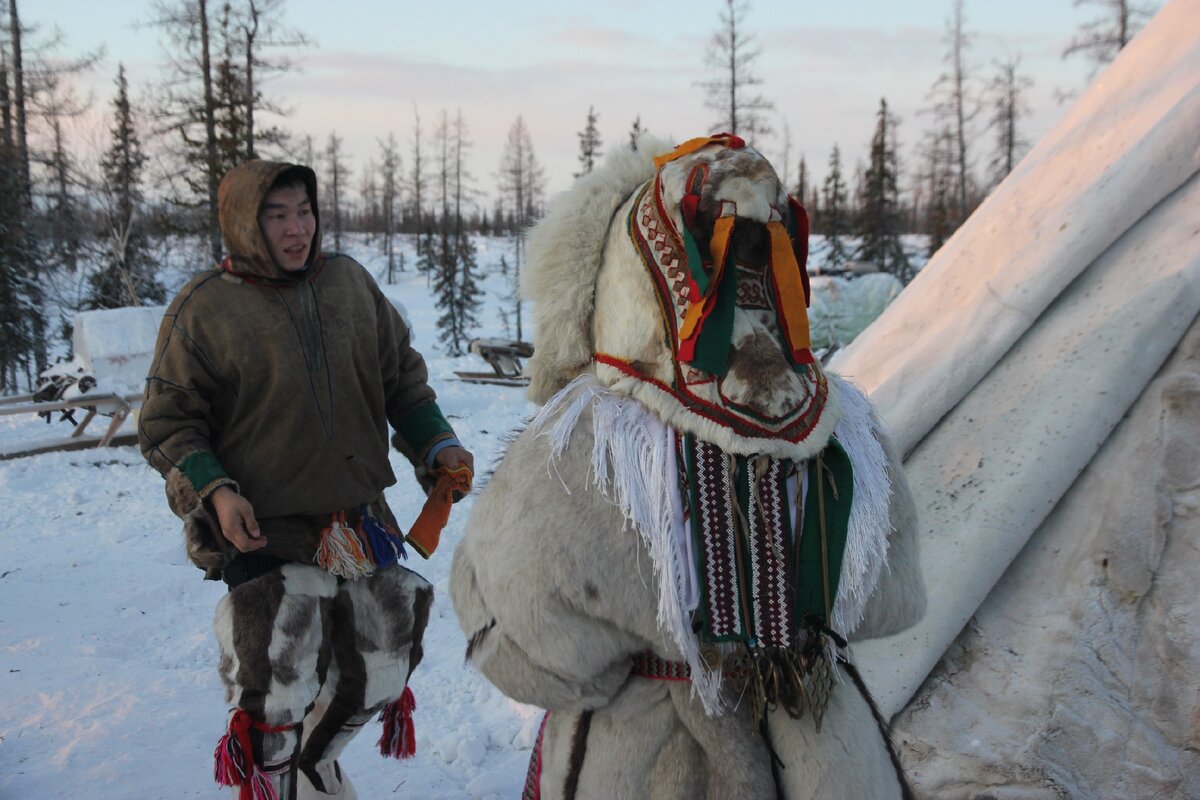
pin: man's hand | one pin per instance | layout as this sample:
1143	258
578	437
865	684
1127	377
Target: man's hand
455	457
236	516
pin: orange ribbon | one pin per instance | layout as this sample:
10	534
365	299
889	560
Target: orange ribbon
794	313
700	309
426	532
692	145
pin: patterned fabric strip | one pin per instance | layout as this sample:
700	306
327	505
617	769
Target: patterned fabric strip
744	546
716	534
769	542
647	664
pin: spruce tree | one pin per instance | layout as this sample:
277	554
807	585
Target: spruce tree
16	254
879	219
835	218
800	192
522	182
589	144
1006	94
127	277
635	132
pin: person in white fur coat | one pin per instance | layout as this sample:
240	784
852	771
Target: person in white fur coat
671	556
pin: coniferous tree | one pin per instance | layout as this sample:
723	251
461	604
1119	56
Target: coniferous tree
800	191
389	199
17	260
834	214
589	144
455	286
1007	95
522	182
880	218
955	105
732	54
940	218
1101	39
210	94
635	132
469	292
416	178
127	277
335	172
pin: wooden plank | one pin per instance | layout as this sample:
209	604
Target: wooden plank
101	401
68	444
492	378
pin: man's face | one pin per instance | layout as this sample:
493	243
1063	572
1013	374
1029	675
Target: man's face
287	223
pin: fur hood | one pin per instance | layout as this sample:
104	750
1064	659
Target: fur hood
238	199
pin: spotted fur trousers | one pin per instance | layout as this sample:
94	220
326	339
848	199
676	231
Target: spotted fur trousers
304	648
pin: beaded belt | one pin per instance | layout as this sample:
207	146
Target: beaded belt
647	664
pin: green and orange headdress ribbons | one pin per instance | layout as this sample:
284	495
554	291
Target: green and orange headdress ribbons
707	327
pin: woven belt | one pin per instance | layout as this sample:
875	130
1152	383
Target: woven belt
647	664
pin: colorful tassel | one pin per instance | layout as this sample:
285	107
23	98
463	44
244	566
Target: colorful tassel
426	532
385	542
234	758
341	552
399	739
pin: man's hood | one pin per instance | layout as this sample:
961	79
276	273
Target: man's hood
238	199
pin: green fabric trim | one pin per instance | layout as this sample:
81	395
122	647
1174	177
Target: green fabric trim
716	333
695	265
838	486
202	468
422	424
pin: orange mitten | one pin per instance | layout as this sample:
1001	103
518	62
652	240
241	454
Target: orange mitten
427	530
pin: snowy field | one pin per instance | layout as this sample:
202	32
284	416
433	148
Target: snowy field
106	655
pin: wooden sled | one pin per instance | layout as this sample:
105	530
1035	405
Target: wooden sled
504	356
119	406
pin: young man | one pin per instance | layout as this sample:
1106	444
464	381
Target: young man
274	380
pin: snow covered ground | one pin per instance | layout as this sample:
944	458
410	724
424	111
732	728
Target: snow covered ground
107	662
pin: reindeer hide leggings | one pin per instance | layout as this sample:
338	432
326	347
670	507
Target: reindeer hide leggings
299	645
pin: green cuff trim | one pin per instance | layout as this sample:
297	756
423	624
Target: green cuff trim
201	468
422	424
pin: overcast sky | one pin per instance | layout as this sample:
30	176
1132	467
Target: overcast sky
825	65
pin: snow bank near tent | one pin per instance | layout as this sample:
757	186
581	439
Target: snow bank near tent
116	345
841	309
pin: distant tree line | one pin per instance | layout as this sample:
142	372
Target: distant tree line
82	232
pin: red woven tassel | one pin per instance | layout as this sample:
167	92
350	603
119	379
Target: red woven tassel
234	759
399	739
260	787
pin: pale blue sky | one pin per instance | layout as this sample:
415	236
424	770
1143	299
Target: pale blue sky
824	65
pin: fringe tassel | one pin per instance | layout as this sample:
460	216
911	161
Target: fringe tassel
234	758
639	450
261	787
385	542
870	516
341	552
229	768
399	739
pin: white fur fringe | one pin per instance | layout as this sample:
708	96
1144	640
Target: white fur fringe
634	466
